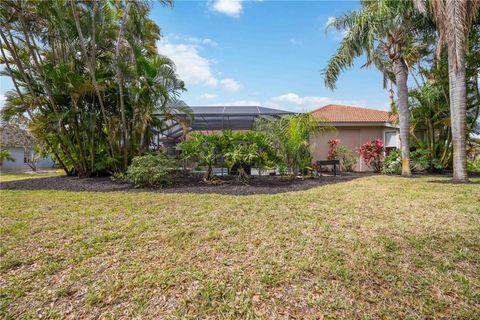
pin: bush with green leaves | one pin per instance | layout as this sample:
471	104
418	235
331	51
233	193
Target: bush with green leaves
290	136
151	170
248	148
347	157
239	149
473	166
392	164
205	149
5	155
422	160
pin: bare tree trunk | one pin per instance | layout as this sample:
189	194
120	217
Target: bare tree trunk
120	84
458	101
401	77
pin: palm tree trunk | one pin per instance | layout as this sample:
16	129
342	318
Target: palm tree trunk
120	85
458	100
401	77
91	69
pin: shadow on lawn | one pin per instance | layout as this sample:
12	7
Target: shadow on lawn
258	185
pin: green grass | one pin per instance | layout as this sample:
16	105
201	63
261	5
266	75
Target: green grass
6	176
377	247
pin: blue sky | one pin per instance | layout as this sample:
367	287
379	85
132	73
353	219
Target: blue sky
267	53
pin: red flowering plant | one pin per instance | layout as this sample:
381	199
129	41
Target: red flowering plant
372	152
332	150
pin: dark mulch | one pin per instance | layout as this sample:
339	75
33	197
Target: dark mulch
227	185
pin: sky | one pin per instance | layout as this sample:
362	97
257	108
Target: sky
266	53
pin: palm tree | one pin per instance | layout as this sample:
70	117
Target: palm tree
454	19
383	30
290	136
62	58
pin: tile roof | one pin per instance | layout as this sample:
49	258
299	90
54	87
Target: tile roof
340	113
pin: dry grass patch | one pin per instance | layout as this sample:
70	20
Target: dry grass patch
375	247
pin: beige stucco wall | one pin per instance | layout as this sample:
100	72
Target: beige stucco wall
352	137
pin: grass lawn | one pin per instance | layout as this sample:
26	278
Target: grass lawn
4	177
377	247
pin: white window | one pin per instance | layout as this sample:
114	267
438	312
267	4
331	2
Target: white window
391	139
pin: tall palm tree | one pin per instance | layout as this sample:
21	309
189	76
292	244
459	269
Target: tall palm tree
383	30
454	19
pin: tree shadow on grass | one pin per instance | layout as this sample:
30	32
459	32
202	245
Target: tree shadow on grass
258	185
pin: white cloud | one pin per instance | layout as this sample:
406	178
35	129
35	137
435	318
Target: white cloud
210	42
231	8
230	85
190	39
191	66
208	96
296	42
294	101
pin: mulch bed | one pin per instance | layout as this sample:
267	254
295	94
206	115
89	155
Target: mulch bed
227	185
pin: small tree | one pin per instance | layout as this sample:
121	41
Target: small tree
373	152
246	149
290	137
203	148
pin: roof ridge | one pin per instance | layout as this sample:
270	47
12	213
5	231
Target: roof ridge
347	106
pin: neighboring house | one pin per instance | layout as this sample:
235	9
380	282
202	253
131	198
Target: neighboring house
21	144
354	126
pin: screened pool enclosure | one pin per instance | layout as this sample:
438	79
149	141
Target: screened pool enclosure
212	118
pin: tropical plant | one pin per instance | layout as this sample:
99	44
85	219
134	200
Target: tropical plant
5	155
206	149
373	152
392	164
454	20
332	148
385	32
151	170
347	158
290	136
473	166
423	160
249	148
89	79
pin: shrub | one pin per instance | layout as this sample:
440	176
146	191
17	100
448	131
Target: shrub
332	150
5	155
290	138
151	170
372	153
392	164
422	160
203	148
473	166
347	158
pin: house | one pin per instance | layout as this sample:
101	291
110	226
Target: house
20	144
354	126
